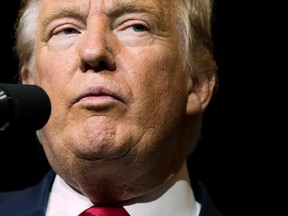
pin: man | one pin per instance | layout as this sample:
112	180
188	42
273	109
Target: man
128	82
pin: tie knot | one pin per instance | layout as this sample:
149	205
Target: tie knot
104	211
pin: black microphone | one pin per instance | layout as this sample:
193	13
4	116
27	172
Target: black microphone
23	107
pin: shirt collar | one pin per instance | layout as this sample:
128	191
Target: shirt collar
177	200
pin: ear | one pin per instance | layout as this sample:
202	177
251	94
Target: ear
201	91
26	76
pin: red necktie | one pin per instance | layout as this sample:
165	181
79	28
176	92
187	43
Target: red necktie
104	211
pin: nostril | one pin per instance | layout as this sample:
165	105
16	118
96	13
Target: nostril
101	66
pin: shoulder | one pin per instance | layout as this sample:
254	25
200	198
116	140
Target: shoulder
28	198
203	197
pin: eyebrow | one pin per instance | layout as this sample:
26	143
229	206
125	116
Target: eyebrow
61	12
121	8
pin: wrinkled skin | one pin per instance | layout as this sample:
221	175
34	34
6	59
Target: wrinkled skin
123	109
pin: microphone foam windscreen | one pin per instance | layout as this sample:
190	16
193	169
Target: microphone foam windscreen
31	107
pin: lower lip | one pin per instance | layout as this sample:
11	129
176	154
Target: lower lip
96	98
96	101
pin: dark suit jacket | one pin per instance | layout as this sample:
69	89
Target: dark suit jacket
33	201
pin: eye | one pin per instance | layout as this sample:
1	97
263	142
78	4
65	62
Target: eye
69	31
65	31
139	28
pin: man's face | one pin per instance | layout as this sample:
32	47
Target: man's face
114	72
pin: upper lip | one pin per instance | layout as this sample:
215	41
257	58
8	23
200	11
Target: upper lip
99	91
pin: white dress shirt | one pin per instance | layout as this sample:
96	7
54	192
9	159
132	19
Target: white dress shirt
177	200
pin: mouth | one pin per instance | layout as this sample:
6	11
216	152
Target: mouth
98	98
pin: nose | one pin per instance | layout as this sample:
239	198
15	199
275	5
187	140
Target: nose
96	47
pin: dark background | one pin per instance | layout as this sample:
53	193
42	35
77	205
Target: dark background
232	159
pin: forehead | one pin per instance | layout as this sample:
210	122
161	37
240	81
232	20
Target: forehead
88	6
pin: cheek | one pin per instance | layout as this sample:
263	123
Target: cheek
54	70
158	74
53	75
156	86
